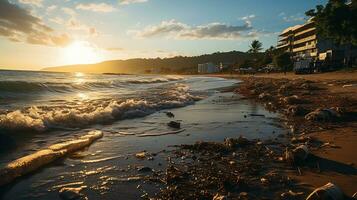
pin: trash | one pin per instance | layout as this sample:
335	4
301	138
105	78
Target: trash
144	169
293	100
68	193
265	96
233	143
323	115
219	197
174	124
170	114
326	192
141	155
354	196
298	155
349	85
301	139
290	195
296	110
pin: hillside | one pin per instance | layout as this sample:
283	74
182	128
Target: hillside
177	64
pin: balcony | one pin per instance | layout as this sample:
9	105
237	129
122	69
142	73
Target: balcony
303	48
304	40
305	31
280	46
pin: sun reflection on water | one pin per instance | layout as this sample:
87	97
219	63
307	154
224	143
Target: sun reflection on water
82	96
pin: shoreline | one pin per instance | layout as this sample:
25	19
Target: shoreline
252	169
337	137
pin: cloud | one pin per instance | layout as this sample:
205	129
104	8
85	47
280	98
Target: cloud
74	24
127	2
100	7
57	20
19	25
178	30
248	17
292	18
166	27
114	49
69	11
37	3
51	8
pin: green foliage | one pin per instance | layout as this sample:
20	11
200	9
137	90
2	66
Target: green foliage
255	47
336	21
283	61
178	64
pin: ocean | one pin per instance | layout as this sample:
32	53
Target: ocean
38	109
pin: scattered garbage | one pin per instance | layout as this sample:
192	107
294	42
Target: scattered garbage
144	169
301	139
233	143
265	96
291	195
296	110
141	155
294	99
349	85
329	191
222	170
219	197
170	114
174	124
323	115
297	155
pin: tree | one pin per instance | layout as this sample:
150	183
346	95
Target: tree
255	46
283	61
336	21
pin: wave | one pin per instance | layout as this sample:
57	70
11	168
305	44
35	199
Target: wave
84	85
156	80
44	118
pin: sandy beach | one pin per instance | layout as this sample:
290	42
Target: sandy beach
338	89
230	145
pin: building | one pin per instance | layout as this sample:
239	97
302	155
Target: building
303	42
300	40
207	68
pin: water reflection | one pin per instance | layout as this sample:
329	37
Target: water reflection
82	96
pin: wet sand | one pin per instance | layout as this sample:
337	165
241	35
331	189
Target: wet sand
125	165
336	156
110	169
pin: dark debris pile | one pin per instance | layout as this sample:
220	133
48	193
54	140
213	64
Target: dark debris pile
233	169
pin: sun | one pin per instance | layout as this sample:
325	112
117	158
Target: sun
81	52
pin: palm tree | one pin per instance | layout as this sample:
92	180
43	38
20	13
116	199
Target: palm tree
255	46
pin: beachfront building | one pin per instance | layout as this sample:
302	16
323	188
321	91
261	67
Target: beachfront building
303	42
300	40
207	68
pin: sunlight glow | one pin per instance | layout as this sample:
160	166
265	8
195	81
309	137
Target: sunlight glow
81	52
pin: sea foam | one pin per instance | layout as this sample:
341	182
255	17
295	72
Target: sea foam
45	118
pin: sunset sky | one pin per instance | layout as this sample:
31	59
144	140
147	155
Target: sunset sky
40	33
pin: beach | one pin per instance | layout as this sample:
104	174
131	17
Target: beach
337	136
109	166
143	157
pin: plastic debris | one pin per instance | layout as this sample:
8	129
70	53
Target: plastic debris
329	191
174	124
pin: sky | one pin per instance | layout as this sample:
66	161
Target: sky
42	33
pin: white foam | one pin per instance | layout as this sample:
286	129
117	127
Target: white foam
32	162
101	111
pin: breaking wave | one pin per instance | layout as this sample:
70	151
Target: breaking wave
62	87
156	80
101	111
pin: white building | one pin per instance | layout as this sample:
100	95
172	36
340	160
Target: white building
207	68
